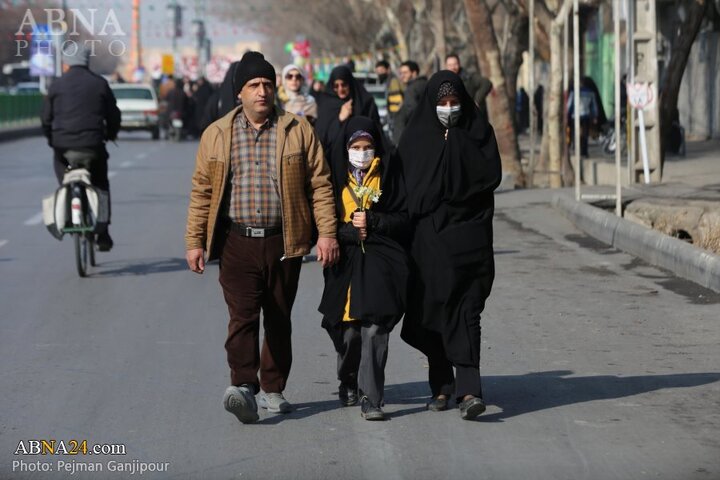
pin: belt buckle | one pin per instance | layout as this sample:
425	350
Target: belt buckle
257	232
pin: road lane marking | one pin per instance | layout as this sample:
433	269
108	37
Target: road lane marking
3	243
34	220
127	164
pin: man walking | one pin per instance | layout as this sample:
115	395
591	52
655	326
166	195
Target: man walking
477	86
414	87
260	177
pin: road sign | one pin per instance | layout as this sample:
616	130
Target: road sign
168	64
640	95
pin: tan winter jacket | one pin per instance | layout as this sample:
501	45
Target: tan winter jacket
305	188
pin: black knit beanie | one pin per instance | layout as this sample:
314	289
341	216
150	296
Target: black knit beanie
252	65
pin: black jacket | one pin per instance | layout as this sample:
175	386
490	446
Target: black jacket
80	110
412	97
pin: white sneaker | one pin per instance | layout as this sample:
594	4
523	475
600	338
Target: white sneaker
275	403
240	401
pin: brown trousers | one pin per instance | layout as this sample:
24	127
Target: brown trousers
253	279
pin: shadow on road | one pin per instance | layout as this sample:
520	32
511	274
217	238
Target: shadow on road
140	267
520	394
532	392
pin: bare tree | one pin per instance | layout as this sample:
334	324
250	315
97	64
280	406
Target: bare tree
697	11
499	106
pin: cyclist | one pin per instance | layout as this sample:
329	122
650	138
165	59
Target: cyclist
80	114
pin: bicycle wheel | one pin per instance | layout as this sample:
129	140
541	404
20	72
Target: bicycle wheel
90	238
91	248
81	254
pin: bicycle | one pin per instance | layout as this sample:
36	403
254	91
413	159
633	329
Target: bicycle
82	224
78	208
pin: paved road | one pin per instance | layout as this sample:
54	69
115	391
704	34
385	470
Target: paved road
596	366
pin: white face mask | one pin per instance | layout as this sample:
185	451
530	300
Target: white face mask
361	159
448	116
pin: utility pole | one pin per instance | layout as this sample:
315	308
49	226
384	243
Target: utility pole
644	71
174	13
200	36
531	88
135	63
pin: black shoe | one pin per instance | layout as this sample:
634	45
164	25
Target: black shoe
104	242
471	408
371	412
348	395
438	404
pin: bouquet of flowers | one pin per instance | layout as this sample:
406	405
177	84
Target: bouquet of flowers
363	192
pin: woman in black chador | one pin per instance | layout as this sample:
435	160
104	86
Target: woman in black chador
365	292
452	166
344	97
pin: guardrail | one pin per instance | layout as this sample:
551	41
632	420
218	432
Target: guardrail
21	109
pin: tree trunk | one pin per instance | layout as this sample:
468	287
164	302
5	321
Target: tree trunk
555	98
501	113
676	68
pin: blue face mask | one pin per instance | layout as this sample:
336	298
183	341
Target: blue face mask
449	116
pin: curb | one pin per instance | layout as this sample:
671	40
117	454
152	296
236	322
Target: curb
20	132
681	258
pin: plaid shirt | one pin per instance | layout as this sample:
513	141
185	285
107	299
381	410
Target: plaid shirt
254	196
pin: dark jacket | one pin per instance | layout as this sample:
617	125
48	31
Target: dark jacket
411	99
80	110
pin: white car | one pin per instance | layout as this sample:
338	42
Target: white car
138	106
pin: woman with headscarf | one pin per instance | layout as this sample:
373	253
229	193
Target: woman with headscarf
364	295
452	166
292	96
344	97
222	100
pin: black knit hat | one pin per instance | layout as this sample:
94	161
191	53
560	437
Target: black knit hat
252	65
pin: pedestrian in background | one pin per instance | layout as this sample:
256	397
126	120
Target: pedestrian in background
477	86
259	179
588	111
343	98
293	97
452	166
223	100
413	92
394	91
365	292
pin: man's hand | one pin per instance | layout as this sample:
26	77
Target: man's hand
328	251
196	260
346	111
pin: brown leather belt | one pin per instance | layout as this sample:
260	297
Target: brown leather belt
255	232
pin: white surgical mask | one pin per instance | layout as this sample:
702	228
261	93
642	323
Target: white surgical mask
361	159
448	116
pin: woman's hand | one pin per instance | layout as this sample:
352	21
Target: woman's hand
359	221
345	111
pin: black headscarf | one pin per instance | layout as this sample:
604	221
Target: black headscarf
223	99
328	125
457	174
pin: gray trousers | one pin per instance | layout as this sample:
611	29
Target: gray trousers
362	359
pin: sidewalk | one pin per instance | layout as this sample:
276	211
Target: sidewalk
665	224
26	129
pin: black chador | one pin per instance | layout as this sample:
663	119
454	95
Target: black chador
450	176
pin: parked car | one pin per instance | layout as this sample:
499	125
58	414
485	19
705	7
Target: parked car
25	88
138	106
